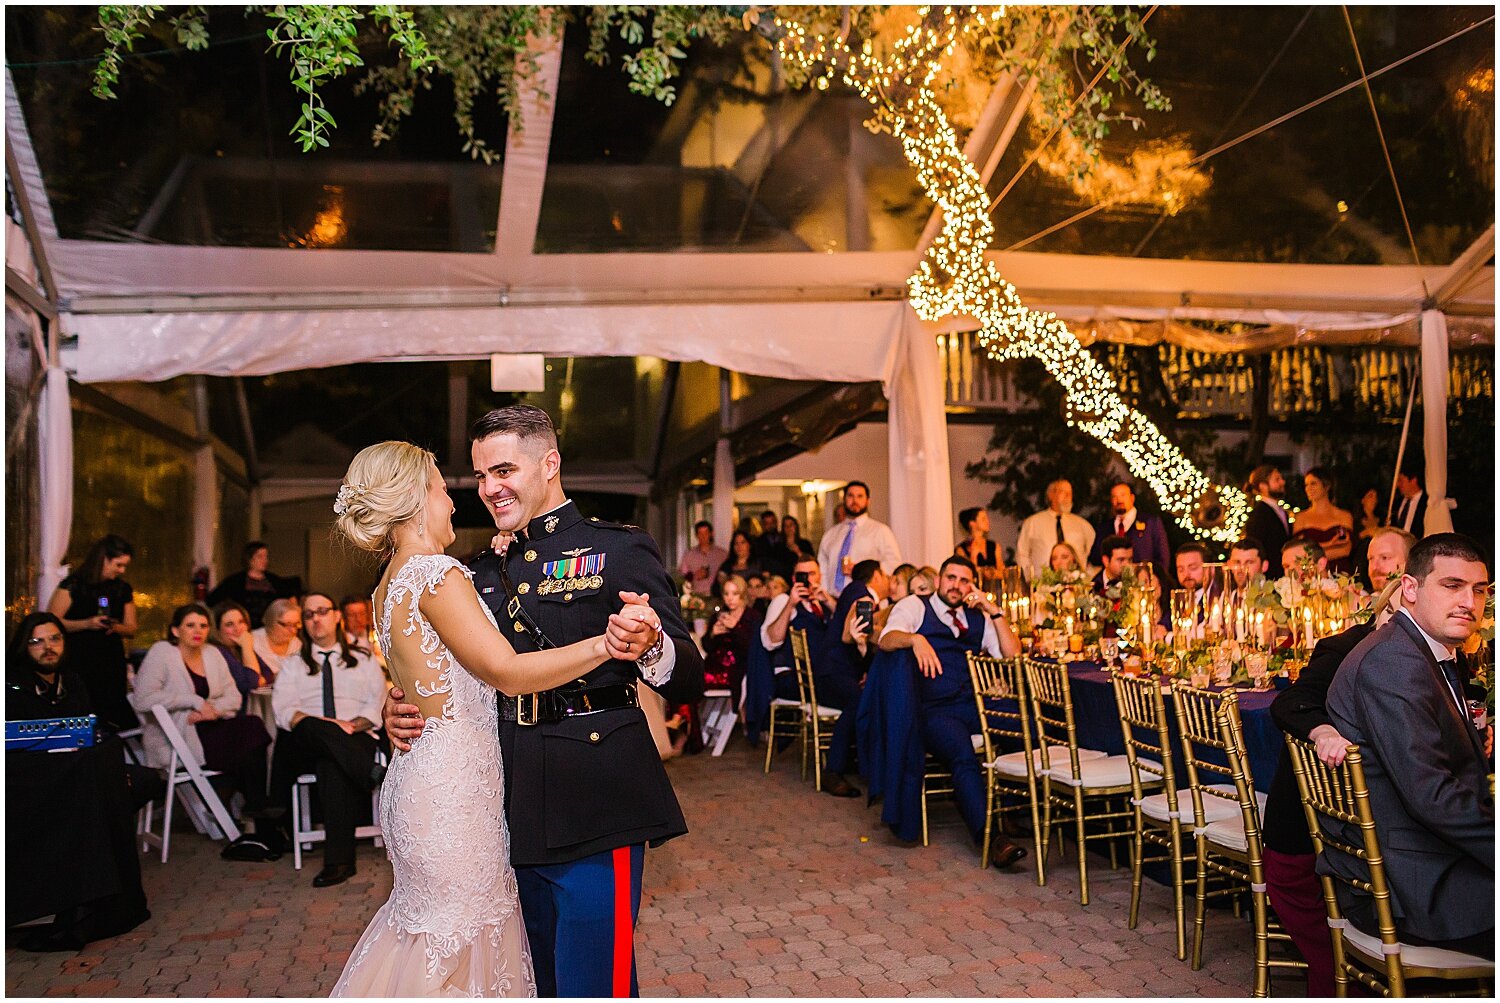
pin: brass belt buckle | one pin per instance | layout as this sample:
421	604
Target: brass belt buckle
521	709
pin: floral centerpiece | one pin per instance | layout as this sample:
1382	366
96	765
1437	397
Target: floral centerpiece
694	606
1481	647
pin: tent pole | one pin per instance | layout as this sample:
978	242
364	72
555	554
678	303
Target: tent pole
1411	398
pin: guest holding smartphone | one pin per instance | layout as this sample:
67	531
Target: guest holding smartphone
727	643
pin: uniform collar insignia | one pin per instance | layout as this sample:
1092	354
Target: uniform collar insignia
560	518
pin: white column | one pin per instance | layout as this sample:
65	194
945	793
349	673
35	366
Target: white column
1435	422
55	434
921	492
723	493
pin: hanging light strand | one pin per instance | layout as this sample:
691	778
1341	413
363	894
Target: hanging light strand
955	278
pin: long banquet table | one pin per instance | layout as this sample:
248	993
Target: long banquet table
890	745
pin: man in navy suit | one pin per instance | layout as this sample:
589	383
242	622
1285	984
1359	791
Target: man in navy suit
1145	533
1268	521
1400	696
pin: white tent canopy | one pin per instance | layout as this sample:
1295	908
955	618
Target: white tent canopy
147	311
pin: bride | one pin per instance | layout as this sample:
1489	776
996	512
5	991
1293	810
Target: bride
452	926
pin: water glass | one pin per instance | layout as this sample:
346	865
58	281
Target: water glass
1109	649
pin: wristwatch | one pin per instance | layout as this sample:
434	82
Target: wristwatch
653	654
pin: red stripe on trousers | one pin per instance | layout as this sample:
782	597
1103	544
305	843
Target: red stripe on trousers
624	929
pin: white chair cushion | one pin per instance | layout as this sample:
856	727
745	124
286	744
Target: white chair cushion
1229	832
1412	954
1155	805
1111	771
784	702
827	713
978	741
1013	764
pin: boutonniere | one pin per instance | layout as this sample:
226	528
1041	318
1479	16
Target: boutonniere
1140	527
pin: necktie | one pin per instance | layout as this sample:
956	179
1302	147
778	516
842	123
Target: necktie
839	578
1406	513
957	618
329	710
1059	530
1450	676
1120	525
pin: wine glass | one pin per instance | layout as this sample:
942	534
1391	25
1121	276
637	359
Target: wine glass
1109	650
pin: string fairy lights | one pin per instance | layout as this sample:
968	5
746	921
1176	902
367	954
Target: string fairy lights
955	278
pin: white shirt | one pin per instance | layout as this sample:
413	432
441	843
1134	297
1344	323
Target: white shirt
873	541
1442	653
907	615
773	611
1039	536
1409	507
263	648
358	690
1127	520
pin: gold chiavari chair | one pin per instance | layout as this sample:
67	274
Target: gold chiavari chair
1229	846
789	718
937	782
1084	785
1158	817
997	683
1334	800
819	720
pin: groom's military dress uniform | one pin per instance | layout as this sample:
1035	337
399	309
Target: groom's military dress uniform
585	788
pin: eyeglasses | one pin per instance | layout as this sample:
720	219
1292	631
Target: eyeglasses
288	626
38	642
308	614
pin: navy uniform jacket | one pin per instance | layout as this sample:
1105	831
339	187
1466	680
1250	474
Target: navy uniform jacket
594	782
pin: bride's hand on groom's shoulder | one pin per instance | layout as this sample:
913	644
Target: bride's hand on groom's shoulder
403	721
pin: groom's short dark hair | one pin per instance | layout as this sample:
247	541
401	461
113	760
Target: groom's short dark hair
524	421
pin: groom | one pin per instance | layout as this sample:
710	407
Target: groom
585	790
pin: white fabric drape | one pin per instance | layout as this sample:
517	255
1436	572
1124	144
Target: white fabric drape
55	435
205	510
1439	518
921	492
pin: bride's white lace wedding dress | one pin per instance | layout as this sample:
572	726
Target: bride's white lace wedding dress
452	926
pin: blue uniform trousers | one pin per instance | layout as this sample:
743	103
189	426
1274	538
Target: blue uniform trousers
580	918
946	727
843	693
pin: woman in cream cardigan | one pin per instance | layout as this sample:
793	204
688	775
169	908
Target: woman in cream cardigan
190	678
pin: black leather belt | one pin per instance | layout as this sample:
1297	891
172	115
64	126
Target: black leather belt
550	706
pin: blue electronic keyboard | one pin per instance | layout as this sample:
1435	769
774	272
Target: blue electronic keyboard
50	734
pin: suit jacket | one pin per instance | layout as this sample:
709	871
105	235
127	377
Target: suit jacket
1266	528
1297	710
593	782
1427	773
1148	541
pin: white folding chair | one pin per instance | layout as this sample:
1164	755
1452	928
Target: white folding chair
303	833
187	780
719	720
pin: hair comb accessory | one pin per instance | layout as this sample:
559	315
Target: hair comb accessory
347	494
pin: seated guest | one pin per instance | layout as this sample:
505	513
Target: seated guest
806	607
1367	521
771	550
1386	556
757	594
977	545
236	642
940	630
1247	562
190	678
327	705
1399	695
741	560
700	564
727	642
1292	881
1191	575
1064	557
254	587
1053	525
358	627
279	637
898	587
923	581
39	683
1116	553
793	540
62	816
1301	557
839	671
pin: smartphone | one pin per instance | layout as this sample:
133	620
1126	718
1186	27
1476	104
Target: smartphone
803	578
864	612
104	608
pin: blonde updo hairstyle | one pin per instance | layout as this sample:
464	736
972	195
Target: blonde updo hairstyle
386	485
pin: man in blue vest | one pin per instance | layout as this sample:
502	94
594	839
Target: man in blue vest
839	670
941	629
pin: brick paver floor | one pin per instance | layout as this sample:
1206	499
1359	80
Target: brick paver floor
776	892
